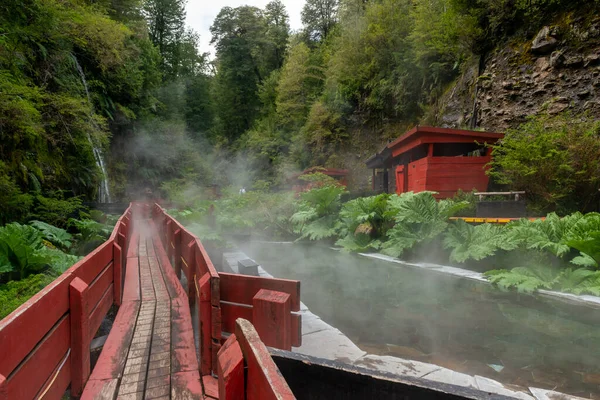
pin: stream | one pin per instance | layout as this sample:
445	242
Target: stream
461	324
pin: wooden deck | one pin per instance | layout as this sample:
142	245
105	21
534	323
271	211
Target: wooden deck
150	352
156	357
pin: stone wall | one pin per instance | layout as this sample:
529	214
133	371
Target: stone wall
559	70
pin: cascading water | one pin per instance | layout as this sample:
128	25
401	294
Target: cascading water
103	190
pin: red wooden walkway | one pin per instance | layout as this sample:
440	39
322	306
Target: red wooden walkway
150	351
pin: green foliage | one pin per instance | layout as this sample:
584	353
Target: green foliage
317	212
15	293
554	160
90	230
469	242
21	251
57	211
56	236
363	222
419	217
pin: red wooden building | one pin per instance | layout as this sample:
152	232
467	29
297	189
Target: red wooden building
442	160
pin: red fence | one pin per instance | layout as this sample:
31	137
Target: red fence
269	304
44	344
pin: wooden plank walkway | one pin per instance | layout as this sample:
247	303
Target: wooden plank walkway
150	353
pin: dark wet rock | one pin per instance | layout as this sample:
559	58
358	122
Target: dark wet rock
543	42
575	61
556	59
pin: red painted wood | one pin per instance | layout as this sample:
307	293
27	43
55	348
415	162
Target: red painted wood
428	134
59	380
296	330
94	263
242	288
99	285
231	370
118	273
80	343
211	386
272	319
3	388
100	311
186	385
131	288
132	250
35	370
183	349
204	321
265	381
177	254
114	353
230	312
21	330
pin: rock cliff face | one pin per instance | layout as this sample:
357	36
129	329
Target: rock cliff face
559	70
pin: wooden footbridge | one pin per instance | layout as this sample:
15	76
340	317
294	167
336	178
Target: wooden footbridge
152	350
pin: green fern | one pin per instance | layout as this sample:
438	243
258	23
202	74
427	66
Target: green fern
419	217
469	242
21	251
317	213
362	221
522	279
57	236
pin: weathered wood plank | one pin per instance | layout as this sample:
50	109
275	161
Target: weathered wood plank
98	313
80	337
231	370
36	369
101	389
118	273
99	285
265	379
272	318
131	289
242	288
21	330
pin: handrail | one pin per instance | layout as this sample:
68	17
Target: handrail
42	333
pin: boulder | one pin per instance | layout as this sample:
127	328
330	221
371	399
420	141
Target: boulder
543	43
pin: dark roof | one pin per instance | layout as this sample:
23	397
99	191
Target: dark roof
379	159
445	131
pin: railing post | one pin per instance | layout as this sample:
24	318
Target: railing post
3	388
80	335
231	370
117	273
272	318
204	322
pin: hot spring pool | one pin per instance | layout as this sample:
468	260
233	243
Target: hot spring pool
461	324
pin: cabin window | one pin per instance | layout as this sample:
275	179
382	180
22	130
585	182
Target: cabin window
458	150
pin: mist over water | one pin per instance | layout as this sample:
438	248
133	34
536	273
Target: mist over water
464	325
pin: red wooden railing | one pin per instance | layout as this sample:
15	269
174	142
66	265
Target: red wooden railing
44	344
270	304
246	370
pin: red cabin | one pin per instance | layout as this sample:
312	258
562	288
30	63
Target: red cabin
442	160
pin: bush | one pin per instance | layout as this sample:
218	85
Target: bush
554	160
57	210
15	293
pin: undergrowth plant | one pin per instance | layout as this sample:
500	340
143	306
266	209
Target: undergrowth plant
418	217
317	212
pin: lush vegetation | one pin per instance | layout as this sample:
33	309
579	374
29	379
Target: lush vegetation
32	255
551	253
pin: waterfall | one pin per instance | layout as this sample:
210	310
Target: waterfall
103	190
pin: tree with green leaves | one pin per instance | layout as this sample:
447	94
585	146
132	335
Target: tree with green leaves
319	17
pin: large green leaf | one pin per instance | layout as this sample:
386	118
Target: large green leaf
54	235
